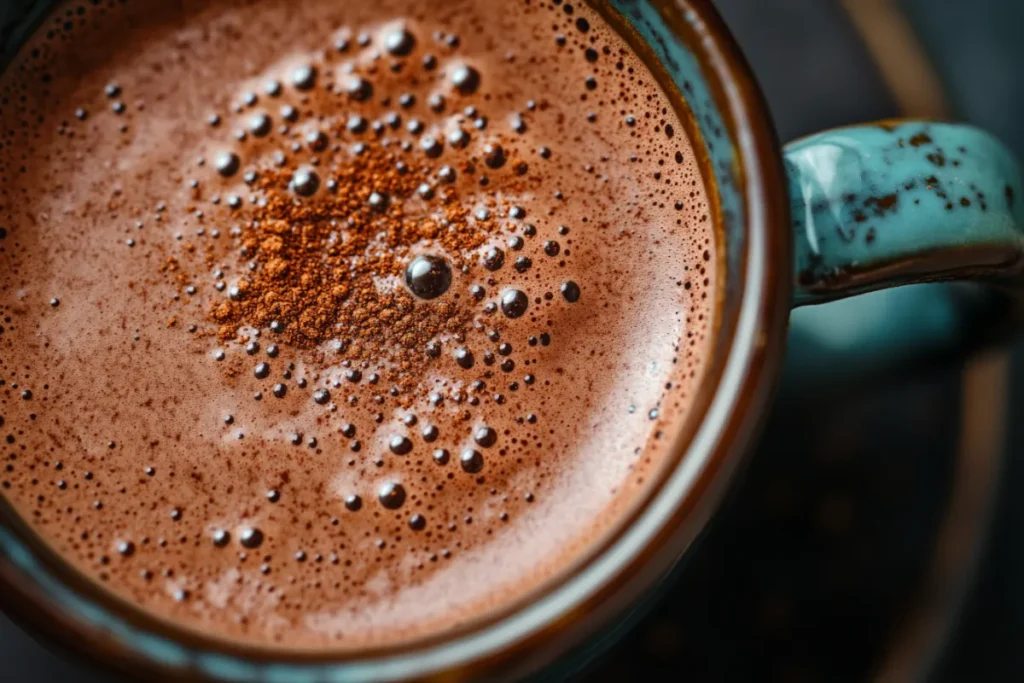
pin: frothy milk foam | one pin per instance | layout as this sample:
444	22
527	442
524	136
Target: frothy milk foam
334	324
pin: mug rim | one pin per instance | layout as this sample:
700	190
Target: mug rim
520	638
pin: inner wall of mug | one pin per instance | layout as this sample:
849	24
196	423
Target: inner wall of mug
652	28
668	38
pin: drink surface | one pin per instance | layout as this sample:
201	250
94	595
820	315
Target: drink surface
332	325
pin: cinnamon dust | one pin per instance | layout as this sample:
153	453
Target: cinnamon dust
330	267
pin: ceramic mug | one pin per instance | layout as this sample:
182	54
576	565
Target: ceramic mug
832	215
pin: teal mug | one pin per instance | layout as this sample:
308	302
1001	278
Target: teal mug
832	215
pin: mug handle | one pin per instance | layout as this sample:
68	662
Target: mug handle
899	202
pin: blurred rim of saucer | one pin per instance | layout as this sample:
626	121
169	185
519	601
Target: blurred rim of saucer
930	623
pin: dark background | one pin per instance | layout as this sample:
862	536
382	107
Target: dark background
977	48
814	568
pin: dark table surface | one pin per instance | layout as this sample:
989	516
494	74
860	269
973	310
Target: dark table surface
806	576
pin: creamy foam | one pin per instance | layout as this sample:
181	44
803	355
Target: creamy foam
148	447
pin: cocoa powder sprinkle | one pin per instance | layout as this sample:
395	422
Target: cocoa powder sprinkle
329	267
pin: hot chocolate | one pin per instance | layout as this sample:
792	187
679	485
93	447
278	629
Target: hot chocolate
334	324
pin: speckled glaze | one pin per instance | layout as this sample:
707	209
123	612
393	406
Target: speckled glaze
885	204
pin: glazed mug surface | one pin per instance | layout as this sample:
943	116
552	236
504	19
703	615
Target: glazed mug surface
835	214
